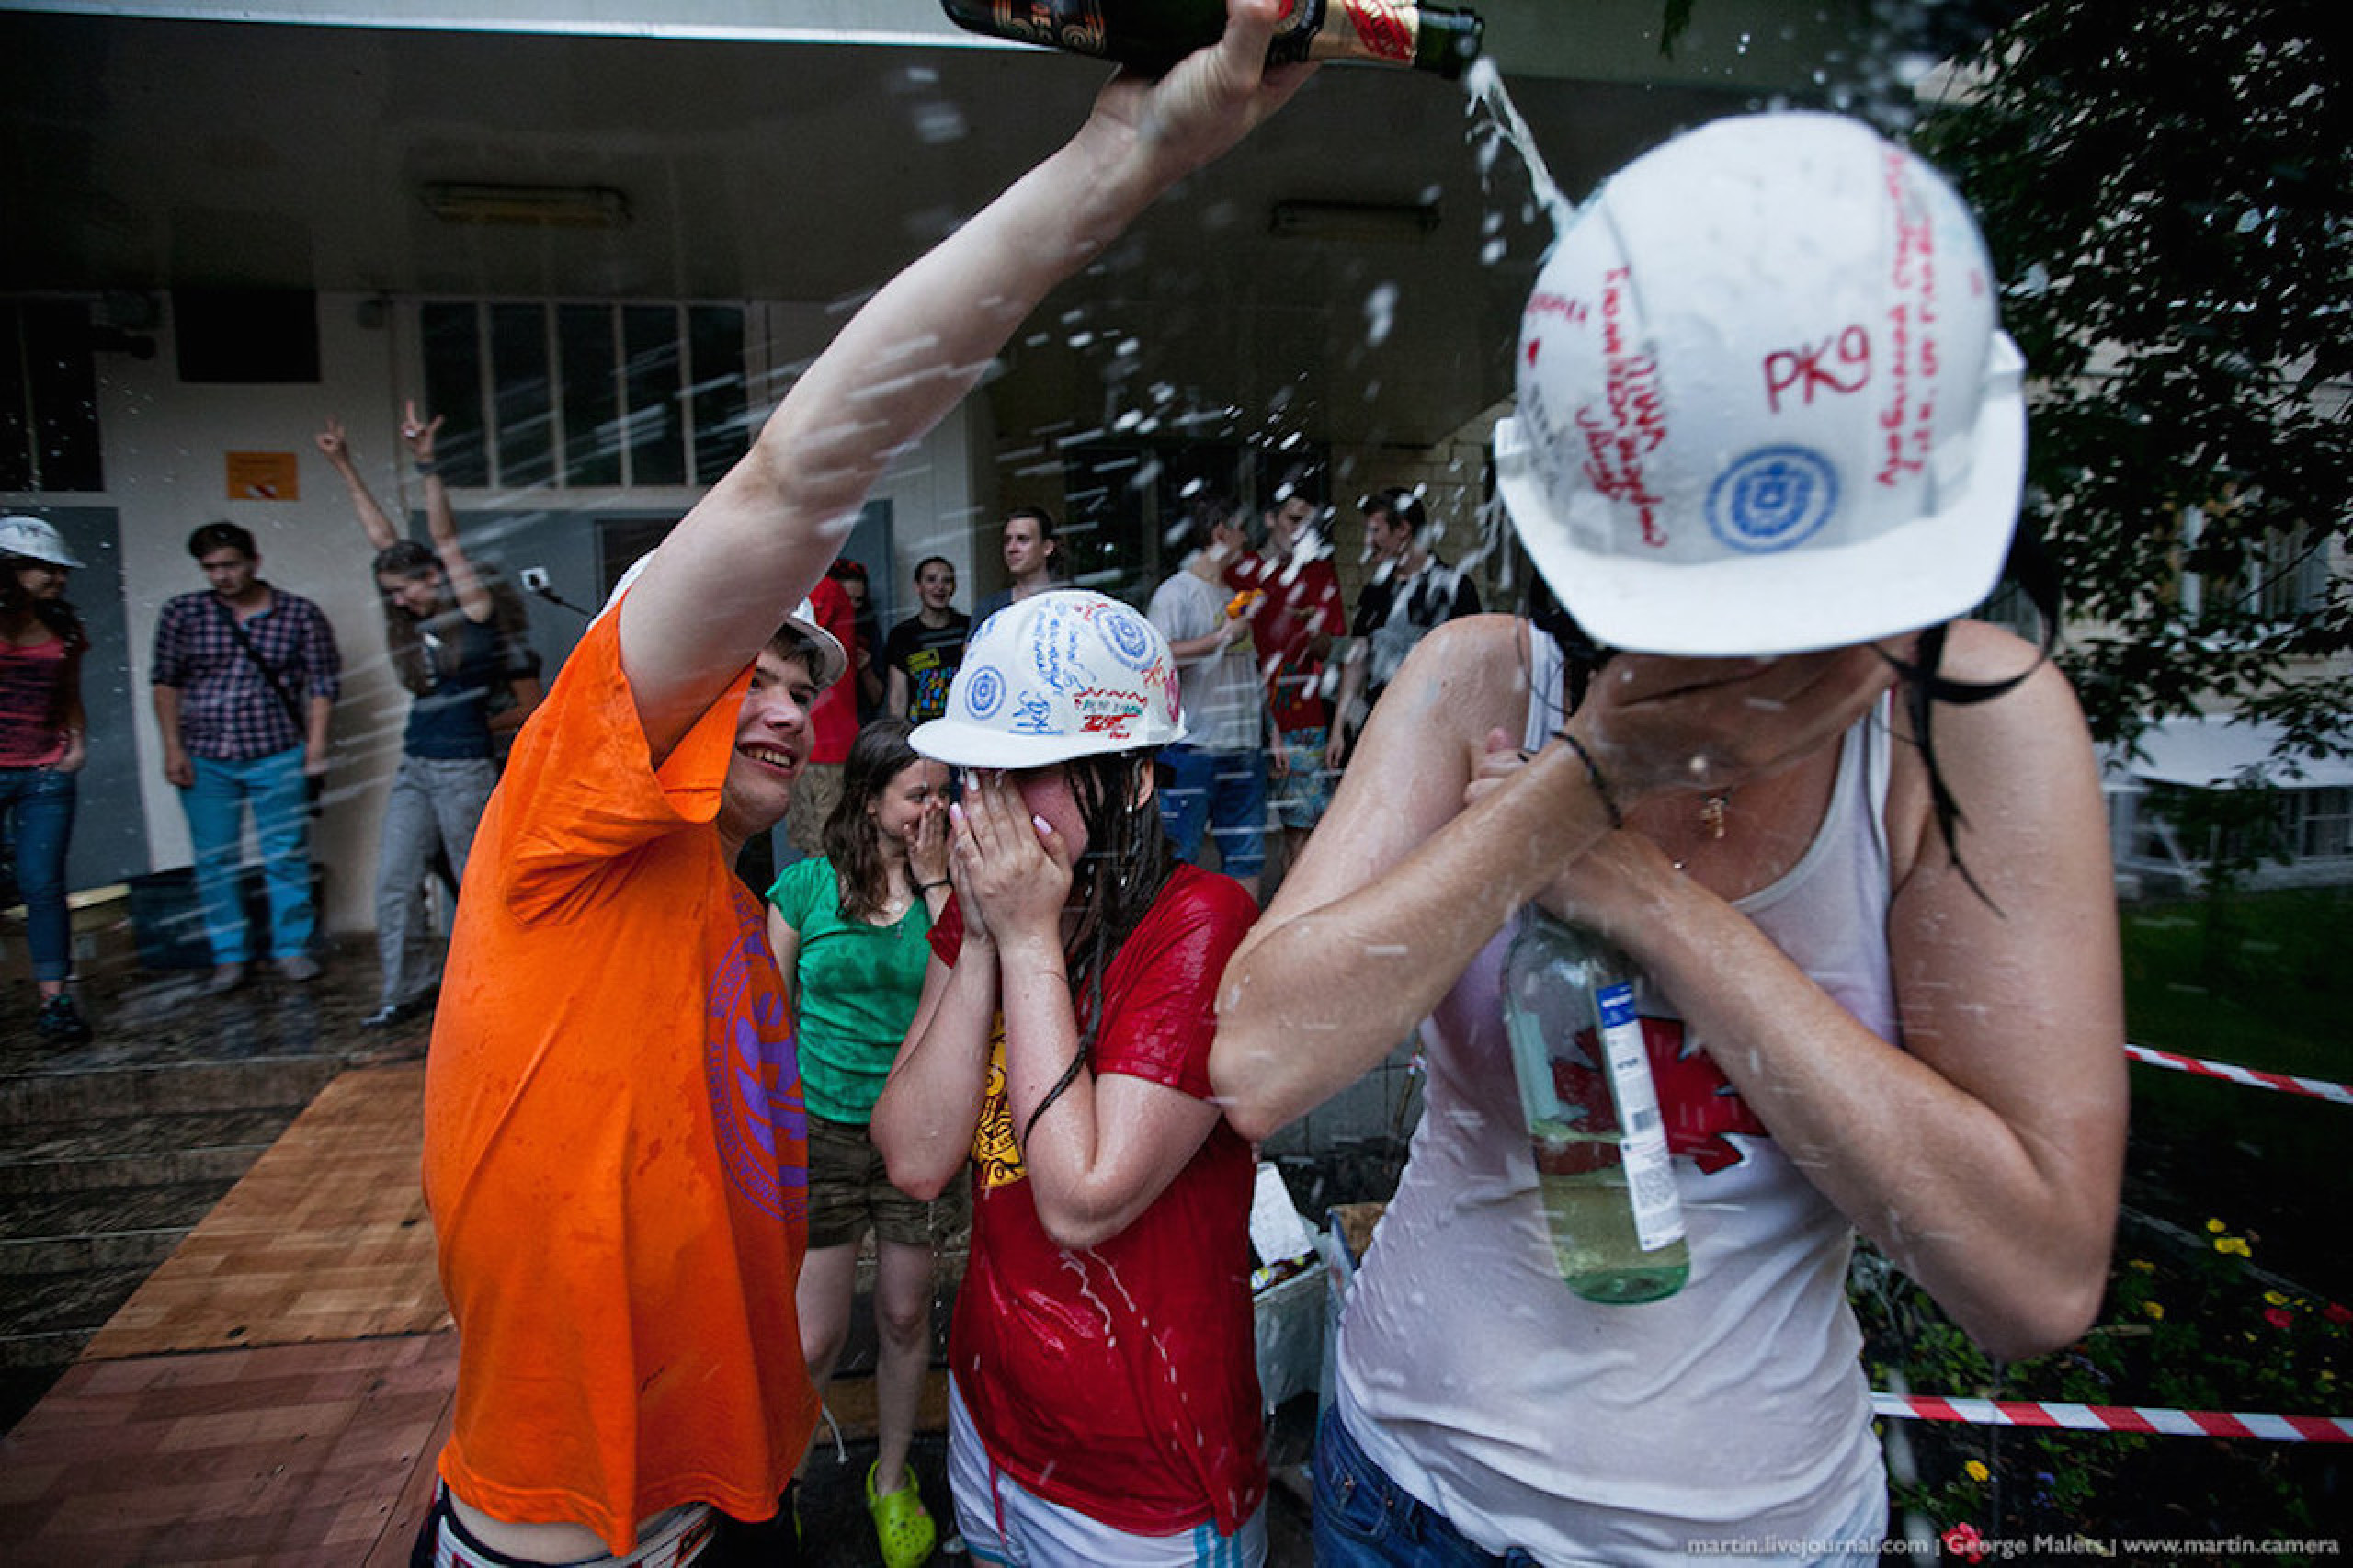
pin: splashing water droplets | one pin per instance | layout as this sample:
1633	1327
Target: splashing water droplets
1502	127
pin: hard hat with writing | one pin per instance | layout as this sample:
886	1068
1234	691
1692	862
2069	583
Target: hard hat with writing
1763	403
831	660
36	539
1062	674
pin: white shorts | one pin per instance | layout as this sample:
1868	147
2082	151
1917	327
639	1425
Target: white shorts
1005	1523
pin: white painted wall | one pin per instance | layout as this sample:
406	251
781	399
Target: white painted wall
167	446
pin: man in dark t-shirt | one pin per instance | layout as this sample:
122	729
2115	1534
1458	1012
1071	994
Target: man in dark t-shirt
921	654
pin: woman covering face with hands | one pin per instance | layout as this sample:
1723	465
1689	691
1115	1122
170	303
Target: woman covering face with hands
1105	1401
1769	434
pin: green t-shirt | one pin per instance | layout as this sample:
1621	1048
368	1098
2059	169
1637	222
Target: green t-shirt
856	987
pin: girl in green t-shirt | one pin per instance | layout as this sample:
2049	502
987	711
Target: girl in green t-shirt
851	933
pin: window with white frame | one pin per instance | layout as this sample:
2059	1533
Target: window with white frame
573	395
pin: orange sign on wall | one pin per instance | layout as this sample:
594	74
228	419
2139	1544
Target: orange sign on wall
264	476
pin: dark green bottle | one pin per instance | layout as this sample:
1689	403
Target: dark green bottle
1153	35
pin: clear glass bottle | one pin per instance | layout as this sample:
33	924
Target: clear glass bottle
1602	1164
1153	35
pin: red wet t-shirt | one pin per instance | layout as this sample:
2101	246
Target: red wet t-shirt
1122	1381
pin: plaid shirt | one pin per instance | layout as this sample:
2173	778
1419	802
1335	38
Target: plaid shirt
229	711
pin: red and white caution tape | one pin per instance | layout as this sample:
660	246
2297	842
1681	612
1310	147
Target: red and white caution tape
2318	1088
2142	1419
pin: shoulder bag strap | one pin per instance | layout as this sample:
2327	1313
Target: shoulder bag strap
294	709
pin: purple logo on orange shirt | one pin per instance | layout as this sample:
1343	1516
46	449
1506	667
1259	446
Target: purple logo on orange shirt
752	1069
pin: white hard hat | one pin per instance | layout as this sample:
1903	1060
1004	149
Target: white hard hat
1764	405
35	538
831	661
1063	673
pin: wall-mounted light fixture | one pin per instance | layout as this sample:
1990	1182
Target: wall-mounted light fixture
550	206
1353	221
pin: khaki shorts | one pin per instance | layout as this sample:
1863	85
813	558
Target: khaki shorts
816	790
850	1193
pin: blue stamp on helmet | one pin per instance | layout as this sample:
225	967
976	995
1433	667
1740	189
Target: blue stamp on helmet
984	692
1772	498
1127	635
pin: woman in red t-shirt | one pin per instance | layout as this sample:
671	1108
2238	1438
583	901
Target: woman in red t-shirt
1105	1399
42	749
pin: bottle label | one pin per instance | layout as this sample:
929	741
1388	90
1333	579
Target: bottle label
1074	24
1641	1132
1384	30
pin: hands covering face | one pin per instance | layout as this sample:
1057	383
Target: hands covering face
1011	866
1657	724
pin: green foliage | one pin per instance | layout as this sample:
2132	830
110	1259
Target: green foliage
2233	1298
2191	1323
2167	189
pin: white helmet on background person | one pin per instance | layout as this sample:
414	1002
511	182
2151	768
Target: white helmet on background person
1063	673
1764	402
832	659
35	538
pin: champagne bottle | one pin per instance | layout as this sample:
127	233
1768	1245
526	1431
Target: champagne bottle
1602	1167
1153	35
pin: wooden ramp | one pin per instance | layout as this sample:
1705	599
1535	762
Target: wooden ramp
282	1455
324	1238
277	1392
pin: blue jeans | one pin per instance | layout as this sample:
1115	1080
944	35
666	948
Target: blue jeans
1364	1519
215	805
37	803
1224	791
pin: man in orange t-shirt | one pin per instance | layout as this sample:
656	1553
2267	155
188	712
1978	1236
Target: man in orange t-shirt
614	1149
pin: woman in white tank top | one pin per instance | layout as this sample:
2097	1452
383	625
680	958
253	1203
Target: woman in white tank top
1890	1021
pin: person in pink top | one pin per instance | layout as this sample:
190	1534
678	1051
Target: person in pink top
42	750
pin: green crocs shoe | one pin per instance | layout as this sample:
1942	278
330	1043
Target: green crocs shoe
901	1522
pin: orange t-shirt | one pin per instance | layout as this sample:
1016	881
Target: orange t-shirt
615	1142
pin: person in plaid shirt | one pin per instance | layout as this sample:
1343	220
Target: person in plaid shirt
244	722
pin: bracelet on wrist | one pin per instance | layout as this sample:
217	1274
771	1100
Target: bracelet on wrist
926	887
1594	776
427	467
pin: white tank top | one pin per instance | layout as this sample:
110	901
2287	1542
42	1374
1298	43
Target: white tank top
1615	1435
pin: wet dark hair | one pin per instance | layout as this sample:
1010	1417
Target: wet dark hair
791	642
878	755
1128	862
416	664
64	622
1402	504
221	536
420	666
406	558
1203	516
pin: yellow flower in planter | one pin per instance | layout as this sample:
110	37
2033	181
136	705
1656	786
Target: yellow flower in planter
2274	1298
2155	1308
2214	1226
2142	1265
1976	1471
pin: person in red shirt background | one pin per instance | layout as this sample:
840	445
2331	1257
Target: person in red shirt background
833	725
1293	622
